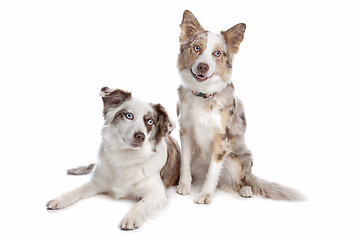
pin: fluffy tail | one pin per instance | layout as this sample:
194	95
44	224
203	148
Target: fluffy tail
81	170
274	190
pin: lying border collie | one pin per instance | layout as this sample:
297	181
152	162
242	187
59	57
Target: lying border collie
137	157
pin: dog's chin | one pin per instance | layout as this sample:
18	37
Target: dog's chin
136	145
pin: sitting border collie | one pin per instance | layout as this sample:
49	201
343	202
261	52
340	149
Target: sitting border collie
212	119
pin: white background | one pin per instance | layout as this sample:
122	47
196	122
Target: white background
297	73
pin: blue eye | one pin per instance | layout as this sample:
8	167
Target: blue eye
197	48
150	122
217	53
129	116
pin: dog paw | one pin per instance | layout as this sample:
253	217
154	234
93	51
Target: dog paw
130	222
246	192
203	198
57	203
183	189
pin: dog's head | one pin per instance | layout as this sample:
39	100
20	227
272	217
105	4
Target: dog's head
131	123
205	58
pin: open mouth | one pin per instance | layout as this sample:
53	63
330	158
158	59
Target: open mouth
200	78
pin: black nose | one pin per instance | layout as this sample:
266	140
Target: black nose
202	67
139	137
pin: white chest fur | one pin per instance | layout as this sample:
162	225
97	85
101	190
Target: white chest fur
119	173
202	117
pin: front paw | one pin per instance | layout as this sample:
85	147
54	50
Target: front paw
57	203
203	198
183	189
131	222
246	192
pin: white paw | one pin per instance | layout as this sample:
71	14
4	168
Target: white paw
183	189
57	203
246	192
131	221
203	198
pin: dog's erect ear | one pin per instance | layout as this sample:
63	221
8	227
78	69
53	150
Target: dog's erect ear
234	36
113	97
189	27
164	124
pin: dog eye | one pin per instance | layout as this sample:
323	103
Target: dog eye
129	116
197	48
217	53
150	122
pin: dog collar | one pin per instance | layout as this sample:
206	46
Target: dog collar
203	95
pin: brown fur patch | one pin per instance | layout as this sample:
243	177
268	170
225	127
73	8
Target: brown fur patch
177	110
113	98
162	123
170	173
148	117
220	147
225	116
188	55
190	27
227	134
234	36
222	63
242	116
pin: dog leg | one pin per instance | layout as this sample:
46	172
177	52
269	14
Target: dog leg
151	201
211	181
184	186
221	146
87	190
246	165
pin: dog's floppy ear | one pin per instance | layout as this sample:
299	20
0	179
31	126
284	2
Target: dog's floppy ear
113	97
164	124
189	27
234	36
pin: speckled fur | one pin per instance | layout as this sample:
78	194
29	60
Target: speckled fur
212	129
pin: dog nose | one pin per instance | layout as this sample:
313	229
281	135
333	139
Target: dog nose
139	137
202	67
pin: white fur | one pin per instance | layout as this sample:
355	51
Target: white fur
124	170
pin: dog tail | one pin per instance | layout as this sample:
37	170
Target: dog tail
81	170
274	190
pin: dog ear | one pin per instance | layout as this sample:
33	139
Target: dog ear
190	26
164	124
234	36
113	97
